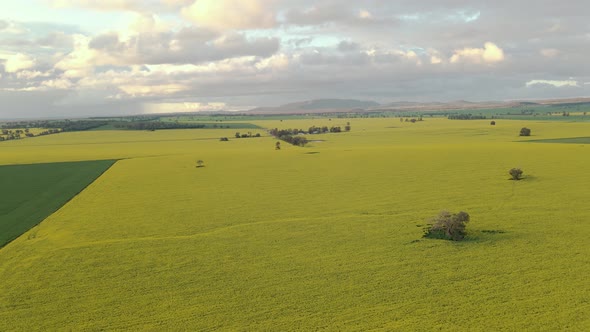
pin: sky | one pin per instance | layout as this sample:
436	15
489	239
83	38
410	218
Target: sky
118	57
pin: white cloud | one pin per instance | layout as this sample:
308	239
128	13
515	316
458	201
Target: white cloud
435	60
60	84
80	61
31	74
491	53
231	14
152	90
554	83
182	107
365	15
550	52
103	5
275	62
18	62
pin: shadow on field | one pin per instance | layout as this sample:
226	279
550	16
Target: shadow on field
478	236
525	178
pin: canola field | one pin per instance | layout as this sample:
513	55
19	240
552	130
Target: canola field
326	237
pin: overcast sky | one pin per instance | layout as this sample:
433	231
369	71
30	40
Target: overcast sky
105	57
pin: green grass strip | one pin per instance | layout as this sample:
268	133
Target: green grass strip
571	140
30	193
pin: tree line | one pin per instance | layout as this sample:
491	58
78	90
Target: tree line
296	136
156	125
466	117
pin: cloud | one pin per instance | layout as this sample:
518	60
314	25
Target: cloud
152	90
183	47
231	14
330	12
550	52
115	5
81	61
555	83
18	62
275	62
104	5
348	46
491	53
264	52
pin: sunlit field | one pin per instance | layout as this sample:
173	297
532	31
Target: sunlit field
325	237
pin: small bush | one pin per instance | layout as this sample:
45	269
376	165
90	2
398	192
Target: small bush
493	123
200	163
515	173
448	226
525	132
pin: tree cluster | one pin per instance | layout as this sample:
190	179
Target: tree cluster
10	134
247	135
515	173
294	136
447	225
525	132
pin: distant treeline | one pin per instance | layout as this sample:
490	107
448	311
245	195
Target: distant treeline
466	117
64	125
156	125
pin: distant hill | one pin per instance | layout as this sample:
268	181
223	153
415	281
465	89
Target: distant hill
352	105
318	106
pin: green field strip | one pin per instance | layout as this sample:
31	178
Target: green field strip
30	193
569	140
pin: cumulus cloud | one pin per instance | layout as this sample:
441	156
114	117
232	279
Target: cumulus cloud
231	14
18	62
490	53
554	83
81	61
275	62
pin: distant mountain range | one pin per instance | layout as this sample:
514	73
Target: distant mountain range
318	106
352	105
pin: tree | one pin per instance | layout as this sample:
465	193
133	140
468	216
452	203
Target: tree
277	145
493	123
238	135
515	173
525	132
449	226
200	163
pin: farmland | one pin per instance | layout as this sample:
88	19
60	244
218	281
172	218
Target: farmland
38	190
328	236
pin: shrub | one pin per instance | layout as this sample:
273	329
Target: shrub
525	132
200	163
515	173
449	226
493	123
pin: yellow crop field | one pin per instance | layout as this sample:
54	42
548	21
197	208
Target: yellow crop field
325	237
